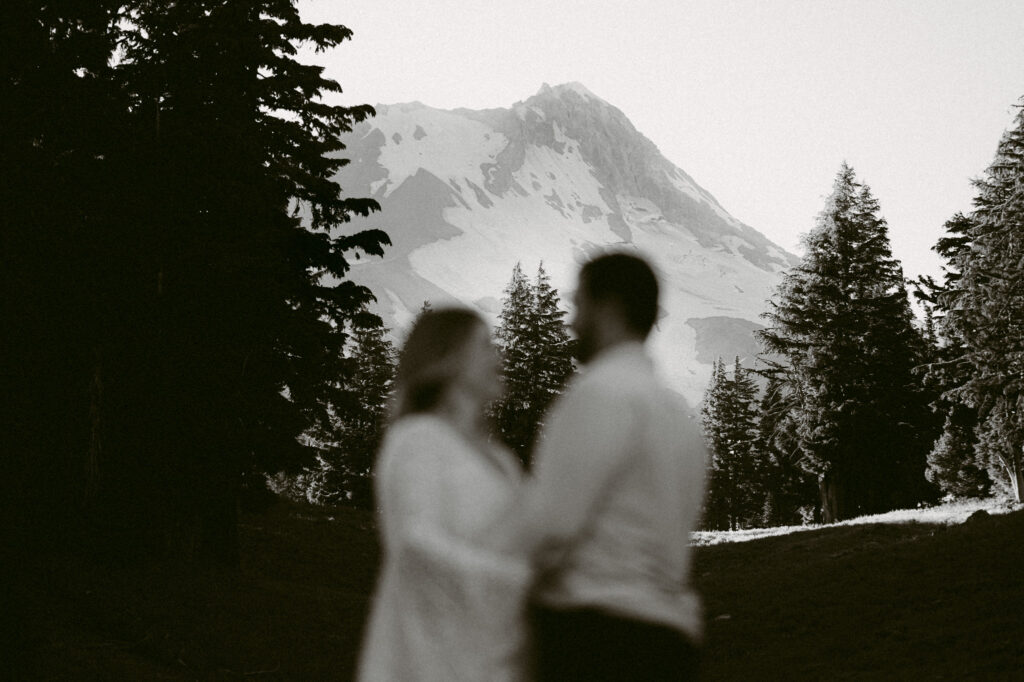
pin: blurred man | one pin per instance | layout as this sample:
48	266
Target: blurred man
618	487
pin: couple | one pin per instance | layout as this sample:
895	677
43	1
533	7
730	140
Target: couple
577	572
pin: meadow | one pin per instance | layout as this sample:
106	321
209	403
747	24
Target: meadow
918	595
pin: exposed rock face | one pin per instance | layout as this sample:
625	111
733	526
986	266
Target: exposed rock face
467	194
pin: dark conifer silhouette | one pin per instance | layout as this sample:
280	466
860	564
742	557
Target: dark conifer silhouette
984	310
842	322
791	494
174	263
347	448
536	358
953	463
736	473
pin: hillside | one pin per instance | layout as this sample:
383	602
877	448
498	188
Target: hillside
874	600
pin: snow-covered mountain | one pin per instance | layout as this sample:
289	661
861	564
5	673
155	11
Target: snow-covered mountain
467	194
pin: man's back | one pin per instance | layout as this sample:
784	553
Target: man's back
620	480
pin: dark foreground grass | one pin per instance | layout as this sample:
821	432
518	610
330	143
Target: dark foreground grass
878	601
910	601
293	611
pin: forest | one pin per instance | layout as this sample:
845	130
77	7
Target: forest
861	407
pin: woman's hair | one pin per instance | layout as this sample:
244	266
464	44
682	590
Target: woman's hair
431	358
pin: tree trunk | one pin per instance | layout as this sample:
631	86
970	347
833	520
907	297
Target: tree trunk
1017	479
832	489
770	512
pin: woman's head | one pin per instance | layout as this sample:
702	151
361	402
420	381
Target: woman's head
448	349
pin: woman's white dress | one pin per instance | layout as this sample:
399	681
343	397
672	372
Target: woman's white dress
445	608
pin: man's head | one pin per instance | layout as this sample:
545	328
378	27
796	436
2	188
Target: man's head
616	301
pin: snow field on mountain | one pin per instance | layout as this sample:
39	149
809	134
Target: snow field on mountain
479	262
442	143
516	228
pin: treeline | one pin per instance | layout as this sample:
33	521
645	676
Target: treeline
536	362
860	410
175	309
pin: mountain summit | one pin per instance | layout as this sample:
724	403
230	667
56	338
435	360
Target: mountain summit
466	194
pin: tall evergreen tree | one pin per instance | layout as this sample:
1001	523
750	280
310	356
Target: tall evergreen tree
514	334
194	333
60	116
238	154
714	408
953	461
842	322
736	491
986	309
554	364
536	358
61	112
346	451
791	495
1000	441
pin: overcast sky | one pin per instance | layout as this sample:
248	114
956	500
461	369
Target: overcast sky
759	101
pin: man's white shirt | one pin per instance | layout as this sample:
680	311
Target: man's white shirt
618	487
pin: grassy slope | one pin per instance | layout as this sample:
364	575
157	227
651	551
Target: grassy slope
872	601
875	601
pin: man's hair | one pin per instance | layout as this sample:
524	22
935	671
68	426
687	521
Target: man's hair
627	282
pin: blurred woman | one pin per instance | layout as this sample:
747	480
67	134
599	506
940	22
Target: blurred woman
445	607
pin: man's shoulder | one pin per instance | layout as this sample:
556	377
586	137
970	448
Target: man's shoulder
625	365
603	382
637	385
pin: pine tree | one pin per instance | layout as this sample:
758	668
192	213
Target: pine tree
346	451
790	493
536	358
1000	441
247	240
714	409
736	491
554	363
842	322
953	461
750	461
515	339
184	194
986	310
61	113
